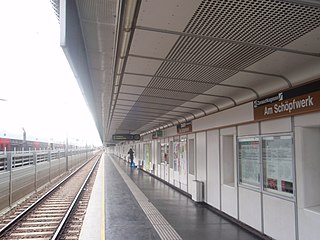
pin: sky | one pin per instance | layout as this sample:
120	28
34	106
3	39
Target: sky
41	92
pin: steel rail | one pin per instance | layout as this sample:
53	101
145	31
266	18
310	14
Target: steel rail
23	214
57	234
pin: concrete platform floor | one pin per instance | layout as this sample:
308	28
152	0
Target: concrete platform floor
134	205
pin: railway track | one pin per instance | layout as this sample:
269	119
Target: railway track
48	217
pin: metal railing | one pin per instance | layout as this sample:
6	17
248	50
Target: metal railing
25	158
22	173
3	162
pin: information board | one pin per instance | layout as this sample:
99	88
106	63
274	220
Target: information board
278	164
164	152
147	157
183	161
249	160
176	149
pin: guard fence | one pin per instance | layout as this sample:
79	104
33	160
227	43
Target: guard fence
22	173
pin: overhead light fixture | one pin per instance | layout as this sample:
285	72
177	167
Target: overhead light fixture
129	11
119	67
129	14
125	43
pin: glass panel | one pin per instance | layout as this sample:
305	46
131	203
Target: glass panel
164	153
147	156
249	161
171	154
277	163
183	160
176	149
191	156
228	160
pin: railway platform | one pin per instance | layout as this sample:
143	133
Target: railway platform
128	203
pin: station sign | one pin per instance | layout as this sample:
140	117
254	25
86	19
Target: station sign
125	137
184	127
298	100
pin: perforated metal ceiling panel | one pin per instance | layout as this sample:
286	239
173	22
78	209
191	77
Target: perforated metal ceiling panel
176	60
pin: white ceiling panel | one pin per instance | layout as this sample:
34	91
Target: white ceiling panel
169	14
121	111
95	59
98	36
262	84
210	110
152	43
128	96
126	102
98	75
285	64
240	95
139	65
135	80
307	43
131	89
216	100
198	105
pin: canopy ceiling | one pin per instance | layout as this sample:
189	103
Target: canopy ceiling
153	64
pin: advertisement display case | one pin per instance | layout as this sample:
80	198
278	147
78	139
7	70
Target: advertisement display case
277	158
249	161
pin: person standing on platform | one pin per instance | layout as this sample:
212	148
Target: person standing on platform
131	152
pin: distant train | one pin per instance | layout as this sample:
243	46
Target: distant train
9	144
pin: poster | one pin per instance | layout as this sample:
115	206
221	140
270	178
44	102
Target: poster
176	149
183	161
277	162
249	160
147	156
164	153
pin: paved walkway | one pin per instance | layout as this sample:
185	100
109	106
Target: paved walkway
138	206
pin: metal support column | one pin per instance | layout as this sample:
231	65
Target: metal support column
49	160
9	167
35	170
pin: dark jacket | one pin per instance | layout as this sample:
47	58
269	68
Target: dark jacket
131	152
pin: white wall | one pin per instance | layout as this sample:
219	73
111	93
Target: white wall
276	126
308	180
250	208
279	218
191	177
229	196
236	115
213	168
250	211
307	120
201	165
271	213
170	131
248	129
171	160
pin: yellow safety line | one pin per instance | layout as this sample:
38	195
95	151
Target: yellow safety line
102	230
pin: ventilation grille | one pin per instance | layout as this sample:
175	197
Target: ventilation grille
162	100
197	73
267	22
98	10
